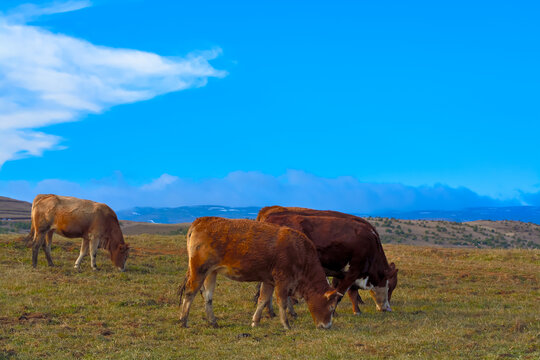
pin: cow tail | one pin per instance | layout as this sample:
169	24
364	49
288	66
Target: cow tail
182	288
29	239
257	294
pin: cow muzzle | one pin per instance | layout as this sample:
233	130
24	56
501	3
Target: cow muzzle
385	307
324	326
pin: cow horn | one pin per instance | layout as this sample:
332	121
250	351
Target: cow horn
330	294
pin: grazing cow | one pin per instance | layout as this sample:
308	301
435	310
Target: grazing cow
349	248
96	223
247	250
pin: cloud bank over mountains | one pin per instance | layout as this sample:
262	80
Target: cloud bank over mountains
49	78
294	188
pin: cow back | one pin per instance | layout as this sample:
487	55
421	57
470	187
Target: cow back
339	238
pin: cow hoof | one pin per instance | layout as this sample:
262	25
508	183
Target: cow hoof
214	325
357	313
95	269
254	324
294	315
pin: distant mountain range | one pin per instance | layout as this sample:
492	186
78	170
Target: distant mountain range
185	214
518	213
189	213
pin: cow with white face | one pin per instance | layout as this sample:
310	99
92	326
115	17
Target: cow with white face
349	249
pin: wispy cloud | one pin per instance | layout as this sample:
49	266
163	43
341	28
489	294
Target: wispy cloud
50	78
28	12
294	188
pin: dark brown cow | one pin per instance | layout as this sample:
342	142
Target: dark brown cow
247	250
96	223
349	248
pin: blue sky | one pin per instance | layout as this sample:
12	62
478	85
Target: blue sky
350	105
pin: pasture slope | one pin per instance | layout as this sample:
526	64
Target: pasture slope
449	303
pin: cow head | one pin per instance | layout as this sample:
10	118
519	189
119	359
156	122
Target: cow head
120	255
382	294
392	280
322	308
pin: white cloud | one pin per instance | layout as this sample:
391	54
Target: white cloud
27	12
160	183
294	188
48	78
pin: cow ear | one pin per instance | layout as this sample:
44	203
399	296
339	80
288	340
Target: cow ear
390	273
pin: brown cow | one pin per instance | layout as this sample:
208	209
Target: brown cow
96	223
349	248
247	250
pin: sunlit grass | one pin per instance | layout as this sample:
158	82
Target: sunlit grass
449	303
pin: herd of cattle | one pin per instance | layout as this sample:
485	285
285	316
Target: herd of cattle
290	251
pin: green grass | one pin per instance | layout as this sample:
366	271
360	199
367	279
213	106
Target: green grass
449	303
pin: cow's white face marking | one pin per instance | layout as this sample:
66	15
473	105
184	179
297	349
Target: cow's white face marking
363	283
380	295
346	268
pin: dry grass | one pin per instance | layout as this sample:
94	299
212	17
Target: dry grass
450	303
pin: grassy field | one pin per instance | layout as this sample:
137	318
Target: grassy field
449	303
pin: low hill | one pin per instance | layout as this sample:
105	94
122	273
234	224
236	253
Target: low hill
479	234
11	209
136	228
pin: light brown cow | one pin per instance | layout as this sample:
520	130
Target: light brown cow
96	223
349	249
247	250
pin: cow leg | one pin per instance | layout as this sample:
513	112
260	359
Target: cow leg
265	297
47	247
39	240
334	284
270	308
84	250
94	242
354	296
282	299
208	293
290	307
344	285
193	284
